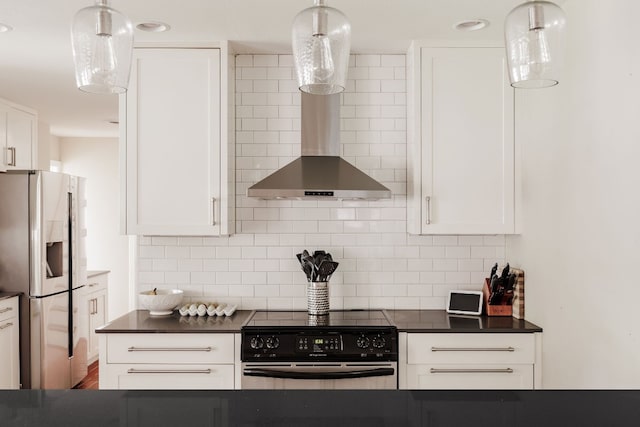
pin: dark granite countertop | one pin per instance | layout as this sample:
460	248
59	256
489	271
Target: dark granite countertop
94	273
140	321
440	321
5	295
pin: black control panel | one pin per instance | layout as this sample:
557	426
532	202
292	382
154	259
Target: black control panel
379	344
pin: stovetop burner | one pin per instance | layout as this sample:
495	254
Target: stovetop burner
301	319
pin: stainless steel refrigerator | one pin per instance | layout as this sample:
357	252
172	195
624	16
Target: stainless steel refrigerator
43	255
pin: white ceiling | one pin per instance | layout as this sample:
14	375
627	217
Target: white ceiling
37	67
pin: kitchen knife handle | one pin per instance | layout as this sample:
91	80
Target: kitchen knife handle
213	211
12	150
510	349
428	209
4	310
471	371
168	371
169	349
6	325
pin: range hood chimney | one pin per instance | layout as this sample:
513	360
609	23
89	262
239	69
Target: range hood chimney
319	173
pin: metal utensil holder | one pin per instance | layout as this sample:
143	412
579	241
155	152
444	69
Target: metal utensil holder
318	298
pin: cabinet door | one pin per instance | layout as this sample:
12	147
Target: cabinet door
172	142
3	139
97	318
21	130
466	133
10	366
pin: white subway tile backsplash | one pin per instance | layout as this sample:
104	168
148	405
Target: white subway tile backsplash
264	61
381	266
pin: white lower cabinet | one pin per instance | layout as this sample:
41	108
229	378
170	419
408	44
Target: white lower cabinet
470	361
9	345
167	361
94	300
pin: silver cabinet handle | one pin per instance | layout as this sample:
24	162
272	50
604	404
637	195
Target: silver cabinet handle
471	371
12	150
428	209
4	310
94	302
91	285
169	371
472	349
6	325
169	349
213	211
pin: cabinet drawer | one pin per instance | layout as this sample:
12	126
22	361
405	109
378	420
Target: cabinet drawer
470	348
172	377
460	376
170	348
8	308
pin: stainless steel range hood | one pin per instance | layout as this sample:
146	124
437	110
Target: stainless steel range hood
319	173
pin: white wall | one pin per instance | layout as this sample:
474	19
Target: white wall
380	265
97	160
580	244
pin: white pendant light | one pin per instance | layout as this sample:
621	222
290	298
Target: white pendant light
321	38
102	40
534	39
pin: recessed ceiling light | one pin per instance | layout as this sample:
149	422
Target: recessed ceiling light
153	26
4	28
471	25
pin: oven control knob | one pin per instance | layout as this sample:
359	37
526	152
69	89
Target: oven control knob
362	342
256	343
379	342
273	342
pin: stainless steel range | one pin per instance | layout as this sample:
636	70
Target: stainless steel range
343	350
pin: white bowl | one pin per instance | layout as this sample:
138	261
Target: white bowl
162	303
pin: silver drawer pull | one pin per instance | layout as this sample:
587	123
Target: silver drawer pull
12	150
471	371
6	325
169	349
213	211
511	349
4	310
169	371
428	209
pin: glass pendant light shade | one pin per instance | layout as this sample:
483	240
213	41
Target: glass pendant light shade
321	38
102	40
534	39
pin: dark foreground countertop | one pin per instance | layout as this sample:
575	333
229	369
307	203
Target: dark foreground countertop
441	321
140	321
315	408
5	295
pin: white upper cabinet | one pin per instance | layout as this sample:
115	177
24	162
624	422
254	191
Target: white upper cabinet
461	146
177	143
18	136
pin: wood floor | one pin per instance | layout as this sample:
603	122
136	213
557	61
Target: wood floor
90	382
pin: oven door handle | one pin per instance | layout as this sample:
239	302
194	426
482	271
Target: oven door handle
315	375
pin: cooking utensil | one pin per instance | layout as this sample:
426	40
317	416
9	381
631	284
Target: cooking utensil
326	269
299	256
307	267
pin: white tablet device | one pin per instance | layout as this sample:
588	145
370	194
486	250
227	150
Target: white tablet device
464	302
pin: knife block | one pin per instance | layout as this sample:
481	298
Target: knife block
502	309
